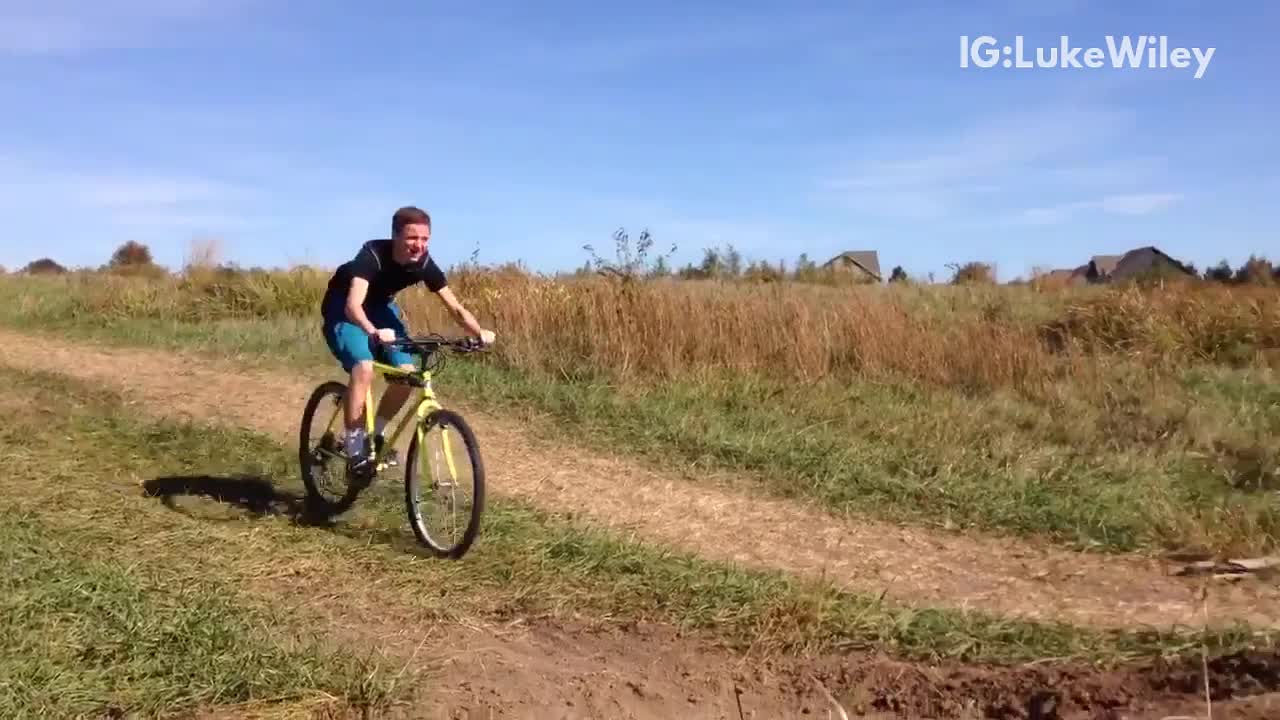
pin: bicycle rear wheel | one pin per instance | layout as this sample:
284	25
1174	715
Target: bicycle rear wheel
321	455
452	465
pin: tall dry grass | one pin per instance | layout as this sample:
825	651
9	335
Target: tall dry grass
686	330
1076	415
970	338
1200	323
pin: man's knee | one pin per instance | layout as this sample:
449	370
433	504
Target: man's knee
362	372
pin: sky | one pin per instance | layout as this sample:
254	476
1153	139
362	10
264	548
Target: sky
528	130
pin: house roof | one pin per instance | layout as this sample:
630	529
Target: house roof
1069	276
1105	264
868	260
1132	261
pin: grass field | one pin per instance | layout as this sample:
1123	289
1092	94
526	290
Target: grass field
102	608
167	566
1116	420
533	564
111	582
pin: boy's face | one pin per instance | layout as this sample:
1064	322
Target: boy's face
411	244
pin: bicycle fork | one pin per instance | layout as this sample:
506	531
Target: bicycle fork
423	409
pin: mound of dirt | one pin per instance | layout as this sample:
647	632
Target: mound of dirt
553	670
1050	691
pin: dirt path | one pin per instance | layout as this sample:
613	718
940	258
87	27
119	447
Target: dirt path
909	565
556	670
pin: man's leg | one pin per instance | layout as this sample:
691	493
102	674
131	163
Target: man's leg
393	396
357	391
350	346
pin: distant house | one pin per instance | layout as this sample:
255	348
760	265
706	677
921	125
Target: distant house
1100	268
1063	276
1117	268
1146	260
863	264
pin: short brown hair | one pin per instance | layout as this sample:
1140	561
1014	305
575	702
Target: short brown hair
408	215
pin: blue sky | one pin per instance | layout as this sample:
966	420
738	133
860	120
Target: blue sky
531	129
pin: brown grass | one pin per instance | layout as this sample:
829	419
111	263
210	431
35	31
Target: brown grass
1189	323
965	337
1120	417
976	338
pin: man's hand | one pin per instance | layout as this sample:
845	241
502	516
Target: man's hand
385	335
487	337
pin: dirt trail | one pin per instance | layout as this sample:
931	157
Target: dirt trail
557	670
909	565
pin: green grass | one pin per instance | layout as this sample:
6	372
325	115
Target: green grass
84	456
1134	460
82	634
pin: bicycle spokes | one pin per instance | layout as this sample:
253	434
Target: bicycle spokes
445	496
326	454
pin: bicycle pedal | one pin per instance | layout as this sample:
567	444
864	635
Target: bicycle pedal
363	466
361	479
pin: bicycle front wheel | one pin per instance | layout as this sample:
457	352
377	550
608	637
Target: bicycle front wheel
444	484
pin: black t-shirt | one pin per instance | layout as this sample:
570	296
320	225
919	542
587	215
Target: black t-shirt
386	277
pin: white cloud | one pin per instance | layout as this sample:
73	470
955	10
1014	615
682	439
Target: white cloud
618	42
25	35
1109	171
996	147
1049	215
1138	204
1121	204
46	27
1044	8
184	222
917	204
994	163
125	201
140	192
162	211
112	190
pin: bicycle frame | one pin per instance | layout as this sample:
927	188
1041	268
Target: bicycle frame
427	403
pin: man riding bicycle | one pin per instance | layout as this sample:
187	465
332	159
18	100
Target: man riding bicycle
360	313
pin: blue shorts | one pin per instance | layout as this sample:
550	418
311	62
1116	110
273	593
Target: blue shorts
350	345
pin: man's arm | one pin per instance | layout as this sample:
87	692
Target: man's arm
433	277
460	313
355	305
364	269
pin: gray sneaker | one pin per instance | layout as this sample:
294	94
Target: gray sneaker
361	466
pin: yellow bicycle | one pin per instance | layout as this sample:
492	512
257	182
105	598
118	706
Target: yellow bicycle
444	487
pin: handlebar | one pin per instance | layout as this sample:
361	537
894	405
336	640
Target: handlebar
428	344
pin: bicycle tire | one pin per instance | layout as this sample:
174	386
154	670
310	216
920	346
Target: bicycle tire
411	485
315	499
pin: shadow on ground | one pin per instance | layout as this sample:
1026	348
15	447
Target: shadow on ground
256	497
